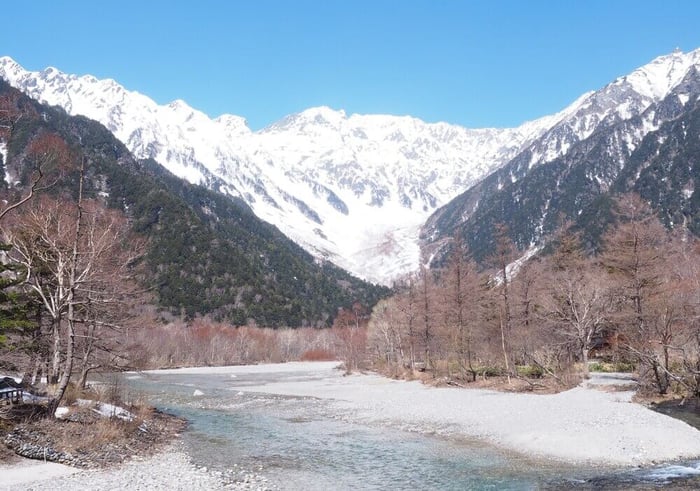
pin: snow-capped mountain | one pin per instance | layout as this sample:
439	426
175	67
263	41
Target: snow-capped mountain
353	189
621	100
584	157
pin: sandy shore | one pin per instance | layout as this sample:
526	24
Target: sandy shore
584	425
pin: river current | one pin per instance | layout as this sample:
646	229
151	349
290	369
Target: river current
299	443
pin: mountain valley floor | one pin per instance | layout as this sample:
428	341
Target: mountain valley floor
587	425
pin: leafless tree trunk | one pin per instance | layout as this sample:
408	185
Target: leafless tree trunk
502	257
635	253
71	299
461	301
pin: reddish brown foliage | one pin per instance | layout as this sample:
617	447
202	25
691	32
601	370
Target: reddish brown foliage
317	355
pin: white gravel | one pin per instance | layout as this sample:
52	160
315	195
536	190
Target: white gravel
581	425
166	471
24	472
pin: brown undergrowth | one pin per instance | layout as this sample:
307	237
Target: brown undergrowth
90	440
541	385
83	437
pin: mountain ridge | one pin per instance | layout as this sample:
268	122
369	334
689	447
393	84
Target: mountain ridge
320	175
207	254
532	201
352	189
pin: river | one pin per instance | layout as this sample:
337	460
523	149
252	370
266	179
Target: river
303	443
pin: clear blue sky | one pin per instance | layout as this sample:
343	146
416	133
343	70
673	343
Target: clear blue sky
474	63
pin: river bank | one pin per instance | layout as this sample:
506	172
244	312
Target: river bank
585	425
591	425
169	469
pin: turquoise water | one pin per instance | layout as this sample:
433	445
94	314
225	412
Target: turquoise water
298	444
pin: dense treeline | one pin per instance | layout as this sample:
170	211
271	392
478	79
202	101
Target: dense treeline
203	342
207	254
637	302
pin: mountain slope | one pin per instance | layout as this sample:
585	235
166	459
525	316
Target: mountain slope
533	193
356	189
208	254
352	189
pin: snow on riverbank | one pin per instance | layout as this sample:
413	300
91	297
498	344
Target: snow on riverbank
581	425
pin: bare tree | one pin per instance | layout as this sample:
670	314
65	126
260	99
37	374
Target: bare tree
48	153
502	257
408	311
636	254
107	294
384	334
687	342
77	257
10	114
527	337
461	299
350	331
427	331
576	301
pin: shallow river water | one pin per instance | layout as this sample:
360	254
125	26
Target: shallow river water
298	443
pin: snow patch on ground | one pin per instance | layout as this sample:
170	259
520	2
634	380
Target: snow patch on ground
107	410
104	409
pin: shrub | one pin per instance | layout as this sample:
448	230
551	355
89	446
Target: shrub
618	366
490	371
529	371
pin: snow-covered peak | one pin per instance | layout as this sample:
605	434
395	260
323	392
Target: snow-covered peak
10	68
233	125
179	105
316	117
182	113
6	61
656	79
323	114
50	72
620	100
353	189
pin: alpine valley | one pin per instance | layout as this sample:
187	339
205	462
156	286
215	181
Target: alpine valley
375	193
205	254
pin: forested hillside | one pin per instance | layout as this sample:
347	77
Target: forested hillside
207	254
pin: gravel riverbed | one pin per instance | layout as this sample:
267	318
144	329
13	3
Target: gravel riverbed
589	424
168	470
